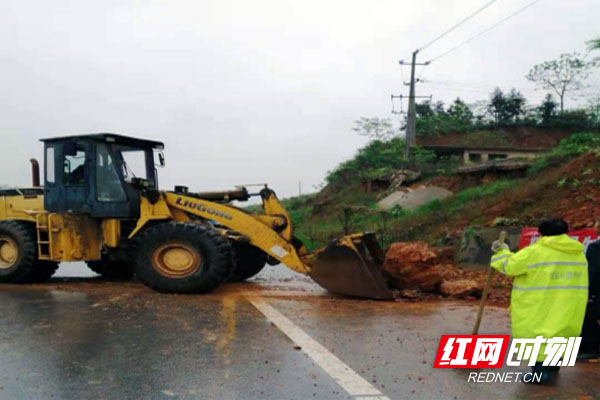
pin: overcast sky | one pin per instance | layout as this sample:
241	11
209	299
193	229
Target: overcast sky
252	91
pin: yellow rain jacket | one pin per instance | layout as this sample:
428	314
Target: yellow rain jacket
550	289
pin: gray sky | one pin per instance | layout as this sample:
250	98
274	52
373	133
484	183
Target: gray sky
252	91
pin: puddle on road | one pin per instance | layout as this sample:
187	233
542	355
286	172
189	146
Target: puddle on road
228	319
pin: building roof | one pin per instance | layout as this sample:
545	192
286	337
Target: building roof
501	139
110	138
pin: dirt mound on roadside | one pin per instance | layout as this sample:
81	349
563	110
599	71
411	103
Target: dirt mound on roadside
409	266
417	270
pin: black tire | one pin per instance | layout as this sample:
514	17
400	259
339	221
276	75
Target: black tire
112	270
212	258
42	271
250	260
16	268
116	264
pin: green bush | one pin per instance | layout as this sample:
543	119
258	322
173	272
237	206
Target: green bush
574	145
456	202
573	119
380	158
376	159
299	215
577	143
478	192
432	206
422	155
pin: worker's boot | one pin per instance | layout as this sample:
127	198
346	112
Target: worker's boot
588	355
548	375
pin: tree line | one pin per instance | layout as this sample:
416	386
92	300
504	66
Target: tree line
563	77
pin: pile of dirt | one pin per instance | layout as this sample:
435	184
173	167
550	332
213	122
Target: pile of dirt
570	191
419	271
409	266
456	183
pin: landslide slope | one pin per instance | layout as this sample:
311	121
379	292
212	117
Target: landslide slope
563	183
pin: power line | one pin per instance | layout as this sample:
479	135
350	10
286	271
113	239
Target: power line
477	85
458	24
530	95
421	73
486	30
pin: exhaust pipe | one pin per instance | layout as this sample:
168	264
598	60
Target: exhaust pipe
35	172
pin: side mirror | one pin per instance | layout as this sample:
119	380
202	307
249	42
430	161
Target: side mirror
161	159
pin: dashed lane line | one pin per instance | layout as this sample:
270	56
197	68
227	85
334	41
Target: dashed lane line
342	374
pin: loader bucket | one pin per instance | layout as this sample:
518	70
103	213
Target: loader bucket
352	266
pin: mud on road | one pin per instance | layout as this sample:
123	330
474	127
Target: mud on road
88	338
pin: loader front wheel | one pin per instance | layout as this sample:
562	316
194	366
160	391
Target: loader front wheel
183	258
17	252
250	260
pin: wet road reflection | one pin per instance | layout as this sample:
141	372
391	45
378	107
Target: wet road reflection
88	338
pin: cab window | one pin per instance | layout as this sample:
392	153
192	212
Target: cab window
50	165
134	164
74	165
108	184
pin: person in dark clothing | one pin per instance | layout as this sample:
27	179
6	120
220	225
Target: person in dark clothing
590	333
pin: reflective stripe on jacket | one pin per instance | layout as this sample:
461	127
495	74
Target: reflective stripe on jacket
550	288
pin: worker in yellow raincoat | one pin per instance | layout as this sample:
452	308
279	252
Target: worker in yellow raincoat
550	288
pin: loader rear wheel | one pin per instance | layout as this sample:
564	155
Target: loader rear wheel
183	258
17	252
42	271
250	261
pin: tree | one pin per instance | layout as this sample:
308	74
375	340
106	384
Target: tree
375	128
593	44
497	107
593	103
461	112
424	109
438	107
515	105
547	110
567	74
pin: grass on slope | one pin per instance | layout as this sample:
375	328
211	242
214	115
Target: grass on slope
564	183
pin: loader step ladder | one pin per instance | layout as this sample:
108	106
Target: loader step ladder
43	223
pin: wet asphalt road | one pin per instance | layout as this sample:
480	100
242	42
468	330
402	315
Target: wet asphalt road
84	338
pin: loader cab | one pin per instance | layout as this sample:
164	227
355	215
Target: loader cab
101	175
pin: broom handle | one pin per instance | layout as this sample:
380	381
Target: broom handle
486	291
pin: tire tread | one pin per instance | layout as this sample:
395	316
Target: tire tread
209	277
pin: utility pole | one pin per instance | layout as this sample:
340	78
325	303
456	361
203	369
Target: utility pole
410	125
411	116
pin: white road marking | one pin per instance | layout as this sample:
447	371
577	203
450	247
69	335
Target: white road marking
348	379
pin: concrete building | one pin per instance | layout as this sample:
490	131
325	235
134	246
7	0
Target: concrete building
495	144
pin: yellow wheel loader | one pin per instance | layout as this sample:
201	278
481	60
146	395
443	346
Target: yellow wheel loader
100	204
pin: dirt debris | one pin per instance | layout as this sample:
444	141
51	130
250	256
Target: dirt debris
419	271
461	288
409	266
